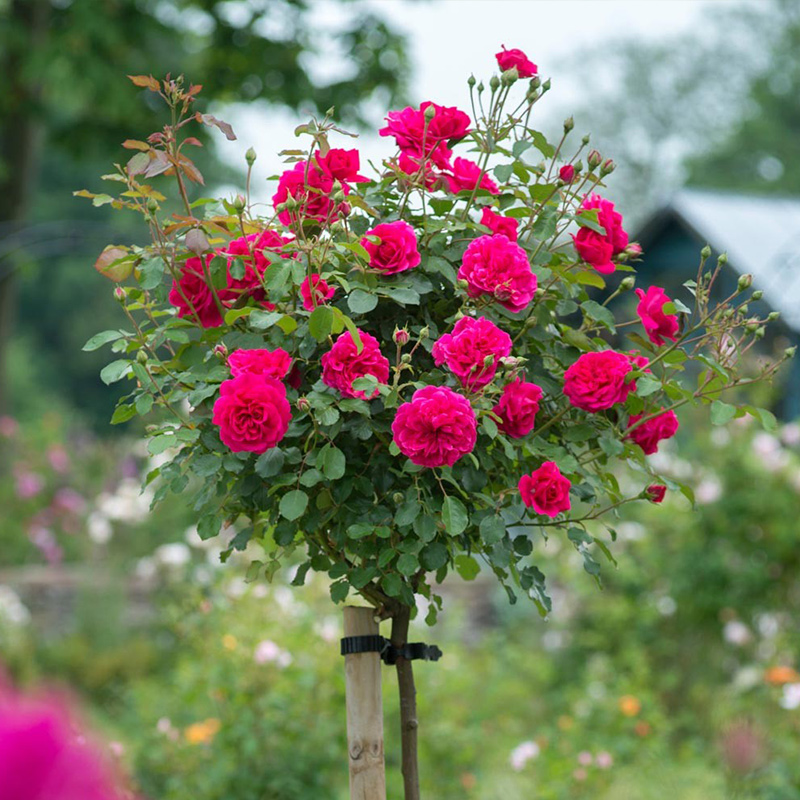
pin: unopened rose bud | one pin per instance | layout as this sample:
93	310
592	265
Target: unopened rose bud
424	333
141	357
546	85
633	250
291	203
723	260
705	253
578	167
481	87
462	284
773	316
511	362
303	406
585	140
152	205
488	361
494	83
405	358
745	281
757	294
509	77
567	173
536	82
400	336
790	352
471	81
759	334
608	167
751	326
727	313
627	283
397	497
344	210
569	124
338	197
655	492
239	203
330	111
595	159
119	294
220	351
250	156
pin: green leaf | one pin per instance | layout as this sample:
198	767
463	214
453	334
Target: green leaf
454	516
467	567
208	526
503	172
114	371
151	273
359	530
158	444
542	145
339	591
99	339
722	413
361	302
601	314
261	320
407	564
332	462
144	403
646	385
293	504
270	463
237	313
492	529
434	556
407	513
320	323
520	147
122	413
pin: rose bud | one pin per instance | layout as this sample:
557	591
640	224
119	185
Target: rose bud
400	336
303	406
608	167
594	159
655	492
220	351
250	156
745	281
119	294
567	173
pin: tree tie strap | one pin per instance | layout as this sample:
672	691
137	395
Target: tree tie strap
389	653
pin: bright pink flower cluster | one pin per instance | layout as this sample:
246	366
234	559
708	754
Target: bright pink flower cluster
472	351
315	291
252	412
497	223
597	381
267	363
498	267
465	175
436	428
516	59
192	294
43	757
343	364
517	408
652	431
397	250
596	248
657	324
546	490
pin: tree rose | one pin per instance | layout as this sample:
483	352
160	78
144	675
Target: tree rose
466	350
436	428
192	295
511	59
465	175
315	291
546	489
497	223
267	363
598	249
498	267
397	250
252	413
517	408
343	364
650	433
596	381
657	324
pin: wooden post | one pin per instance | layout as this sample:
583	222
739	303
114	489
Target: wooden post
364	710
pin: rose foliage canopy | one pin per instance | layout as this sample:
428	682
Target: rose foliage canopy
416	370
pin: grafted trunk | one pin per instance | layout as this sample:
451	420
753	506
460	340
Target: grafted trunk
409	724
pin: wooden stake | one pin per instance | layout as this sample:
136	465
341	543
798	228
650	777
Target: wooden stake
364	710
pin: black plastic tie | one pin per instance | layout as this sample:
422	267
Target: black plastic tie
414	651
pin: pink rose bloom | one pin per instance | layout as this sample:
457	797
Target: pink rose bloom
596	381
656	492
267	363
465	175
250	252
496	266
650	433
295	377
517	408
43	755
546	489
252	413
598	249
397	250
436	428
315	292
315	204
343	364
409	127
659	326
341	165
193	297
497	223
413	166
567	173
28	484
509	59
466	349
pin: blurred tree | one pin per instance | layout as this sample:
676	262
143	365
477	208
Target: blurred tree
65	106
717	106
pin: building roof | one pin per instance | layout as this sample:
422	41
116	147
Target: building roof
760	234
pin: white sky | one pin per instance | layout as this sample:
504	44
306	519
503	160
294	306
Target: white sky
449	39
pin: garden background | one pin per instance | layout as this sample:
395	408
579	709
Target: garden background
680	675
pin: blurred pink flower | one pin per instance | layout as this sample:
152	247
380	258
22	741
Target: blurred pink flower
268	652
69	501
28	484
580	774
523	753
604	759
45	542
585	758
58	458
43	756
8	426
